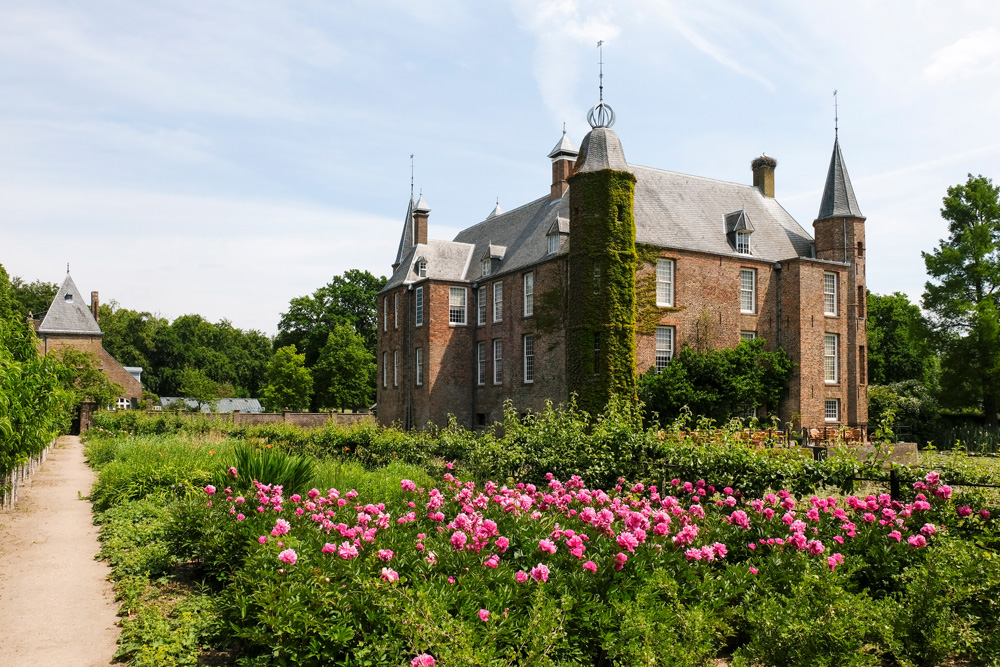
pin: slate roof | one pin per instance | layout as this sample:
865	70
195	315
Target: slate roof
446	260
69	312
838	195
406	240
601	149
564	148
245	405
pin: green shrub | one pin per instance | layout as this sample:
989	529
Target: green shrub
271	466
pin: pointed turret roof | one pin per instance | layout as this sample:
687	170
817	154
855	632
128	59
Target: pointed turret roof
564	148
69	313
601	149
406	240
496	211
838	195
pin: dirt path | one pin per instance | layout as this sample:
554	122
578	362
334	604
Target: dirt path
56	605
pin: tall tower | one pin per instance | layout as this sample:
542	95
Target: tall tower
600	335
839	232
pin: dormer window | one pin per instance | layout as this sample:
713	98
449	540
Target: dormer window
553	241
69	297
421	268
743	243
486	266
555	233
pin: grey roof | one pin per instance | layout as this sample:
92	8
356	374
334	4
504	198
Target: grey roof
406	240
446	260
559	226
838	195
422	206
496	211
689	212
245	405
69	313
601	149
565	148
738	222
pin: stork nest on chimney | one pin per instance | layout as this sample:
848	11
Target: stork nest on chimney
764	161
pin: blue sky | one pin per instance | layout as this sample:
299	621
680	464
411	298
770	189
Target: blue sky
223	157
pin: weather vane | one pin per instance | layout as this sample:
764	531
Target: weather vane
602	115
836	120
411	175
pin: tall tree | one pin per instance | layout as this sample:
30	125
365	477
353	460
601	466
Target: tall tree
897	341
963	295
349	299
289	385
34	298
345	372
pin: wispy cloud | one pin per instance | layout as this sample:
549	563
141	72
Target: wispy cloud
972	56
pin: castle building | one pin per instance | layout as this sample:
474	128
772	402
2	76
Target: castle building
607	276
72	322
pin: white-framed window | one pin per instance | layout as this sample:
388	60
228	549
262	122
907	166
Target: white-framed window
481	305
664	347
497	361
395	313
665	283
748	291
481	356
748	335
385	313
529	358
831	409
829	293
395	368
743	243
422	269
419	357
831	342
497	302
553	243
385	370
123	404
418	297
486	267
529	294
456	305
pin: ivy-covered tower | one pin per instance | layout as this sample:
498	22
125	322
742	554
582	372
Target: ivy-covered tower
600	332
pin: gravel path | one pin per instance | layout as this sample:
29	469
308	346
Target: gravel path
56	605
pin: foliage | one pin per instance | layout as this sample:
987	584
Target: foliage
31	298
719	384
289	384
194	383
917	413
601	320
292	473
345	300
81	377
897	340
963	296
344	374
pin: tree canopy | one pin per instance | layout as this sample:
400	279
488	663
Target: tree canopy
719	384
345	372
348	299
897	340
288	383
963	295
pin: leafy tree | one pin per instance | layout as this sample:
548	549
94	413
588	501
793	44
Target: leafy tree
719	384
345	372
963	295
289	384
34	298
897	340
349	299
195	384
80	374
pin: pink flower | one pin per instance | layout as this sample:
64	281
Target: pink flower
740	518
985	514
493	561
232	471
422	660
753	570
692	554
964	511
449	465
280	528
262	539
210	490
329	548
590	565
620	560
627	541
547	546
943	492
917	541
288	556
347	551
816	547
928	529
385	554
407	485
502	544
458	540
389	575
834	560
895	535
240	516
484	615
521	577
540	573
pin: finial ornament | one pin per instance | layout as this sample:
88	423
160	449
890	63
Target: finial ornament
601	115
67	268
836	120
411	175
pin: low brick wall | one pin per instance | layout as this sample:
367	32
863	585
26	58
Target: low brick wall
303	419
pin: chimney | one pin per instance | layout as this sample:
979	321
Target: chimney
95	307
763	174
563	163
420	215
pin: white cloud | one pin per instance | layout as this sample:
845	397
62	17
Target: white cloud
974	56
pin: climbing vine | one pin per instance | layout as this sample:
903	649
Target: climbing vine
647	313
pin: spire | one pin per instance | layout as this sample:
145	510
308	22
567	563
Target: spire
406	240
838	195
564	149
